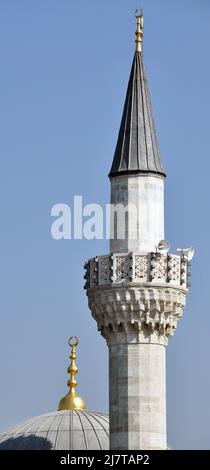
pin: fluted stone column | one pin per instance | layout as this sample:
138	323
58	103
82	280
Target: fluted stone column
137	394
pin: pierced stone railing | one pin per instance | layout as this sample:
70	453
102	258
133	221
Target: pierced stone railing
155	268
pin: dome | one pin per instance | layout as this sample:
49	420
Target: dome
60	430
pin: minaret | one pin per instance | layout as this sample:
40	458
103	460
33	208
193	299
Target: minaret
137	293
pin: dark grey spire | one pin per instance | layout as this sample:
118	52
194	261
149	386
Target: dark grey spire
137	149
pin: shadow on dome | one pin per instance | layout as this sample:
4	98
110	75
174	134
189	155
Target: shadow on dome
29	442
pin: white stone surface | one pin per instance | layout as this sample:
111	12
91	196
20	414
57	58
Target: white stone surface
144	224
137	396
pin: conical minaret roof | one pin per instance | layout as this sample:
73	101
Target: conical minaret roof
137	149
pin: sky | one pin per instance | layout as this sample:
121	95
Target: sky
64	71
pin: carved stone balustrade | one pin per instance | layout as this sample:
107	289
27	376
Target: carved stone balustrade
152	268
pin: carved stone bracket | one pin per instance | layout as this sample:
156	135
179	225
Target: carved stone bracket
136	313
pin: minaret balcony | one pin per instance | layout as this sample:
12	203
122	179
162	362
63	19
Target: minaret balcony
145	269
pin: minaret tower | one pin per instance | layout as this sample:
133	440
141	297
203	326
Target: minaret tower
137	293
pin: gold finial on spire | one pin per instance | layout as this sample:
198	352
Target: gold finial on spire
139	31
72	401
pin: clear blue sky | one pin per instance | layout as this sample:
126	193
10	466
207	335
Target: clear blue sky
64	70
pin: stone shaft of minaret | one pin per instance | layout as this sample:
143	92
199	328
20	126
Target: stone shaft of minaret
137	213
137	293
137	391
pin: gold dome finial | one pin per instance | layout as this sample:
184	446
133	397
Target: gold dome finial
72	401
139	31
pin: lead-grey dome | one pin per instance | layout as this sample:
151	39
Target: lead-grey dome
60	430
